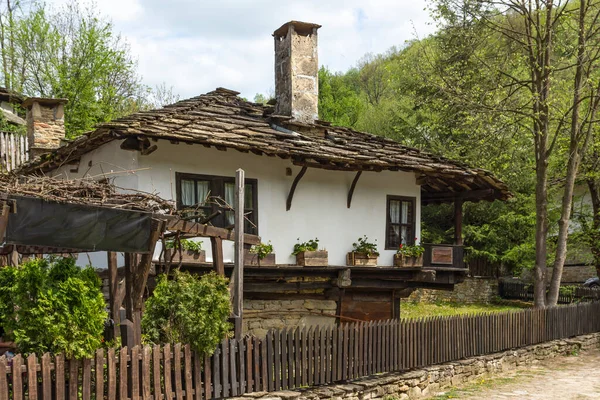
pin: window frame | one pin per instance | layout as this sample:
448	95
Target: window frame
217	188
412	223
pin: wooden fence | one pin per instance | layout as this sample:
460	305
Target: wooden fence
521	291
14	151
482	267
288	359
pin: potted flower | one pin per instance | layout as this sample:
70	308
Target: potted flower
308	254
191	251
260	255
409	255
364	253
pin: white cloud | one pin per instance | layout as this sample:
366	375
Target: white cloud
198	45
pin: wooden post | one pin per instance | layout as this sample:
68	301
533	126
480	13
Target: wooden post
458	216
129	262
139	274
113	288
216	244
238	271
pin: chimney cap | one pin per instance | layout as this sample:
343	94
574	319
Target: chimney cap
43	100
302	28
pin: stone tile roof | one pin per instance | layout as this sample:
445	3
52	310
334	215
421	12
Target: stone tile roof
223	120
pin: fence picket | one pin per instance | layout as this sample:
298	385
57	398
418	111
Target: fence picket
146	373
290	358
3	380
156	371
46	375
207	373
167	371
32	377
135	373
112	374
86	392
99	370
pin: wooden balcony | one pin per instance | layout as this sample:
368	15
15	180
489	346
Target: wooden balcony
444	256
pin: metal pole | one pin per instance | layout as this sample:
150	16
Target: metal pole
238	272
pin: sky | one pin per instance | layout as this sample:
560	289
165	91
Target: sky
198	45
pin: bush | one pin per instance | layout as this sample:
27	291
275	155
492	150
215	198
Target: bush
51	305
188	309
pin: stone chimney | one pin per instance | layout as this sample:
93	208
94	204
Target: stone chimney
45	124
297	71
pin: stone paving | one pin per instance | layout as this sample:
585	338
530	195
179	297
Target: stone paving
560	378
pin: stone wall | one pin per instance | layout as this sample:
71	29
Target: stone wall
428	381
472	290
572	274
262	315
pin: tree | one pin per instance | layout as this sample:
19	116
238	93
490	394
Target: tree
339	101
188	309
73	52
52	305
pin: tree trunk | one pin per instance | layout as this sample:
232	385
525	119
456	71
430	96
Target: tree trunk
541	231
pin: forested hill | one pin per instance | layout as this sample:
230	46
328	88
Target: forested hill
493	89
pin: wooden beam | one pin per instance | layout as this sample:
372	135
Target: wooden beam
458	218
216	244
288	203
463	195
352	187
201	230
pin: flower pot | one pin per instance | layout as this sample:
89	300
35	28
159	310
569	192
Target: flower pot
406	261
361	259
317	258
252	260
187	256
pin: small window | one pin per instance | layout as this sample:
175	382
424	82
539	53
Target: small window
194	193
400	224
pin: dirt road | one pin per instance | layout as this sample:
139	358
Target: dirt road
563	378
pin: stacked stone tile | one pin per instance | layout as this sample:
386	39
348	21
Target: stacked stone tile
223	120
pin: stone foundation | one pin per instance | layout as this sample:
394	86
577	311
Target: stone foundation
428	381
262	315
472	290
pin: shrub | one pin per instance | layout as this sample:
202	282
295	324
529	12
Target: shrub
51	305
188	309
311	245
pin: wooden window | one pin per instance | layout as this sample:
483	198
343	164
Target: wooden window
193	191
400	221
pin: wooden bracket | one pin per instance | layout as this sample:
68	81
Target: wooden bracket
352	187
293	188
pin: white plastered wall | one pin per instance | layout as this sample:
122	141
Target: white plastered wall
318	207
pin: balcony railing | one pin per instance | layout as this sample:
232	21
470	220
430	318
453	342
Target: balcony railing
444	255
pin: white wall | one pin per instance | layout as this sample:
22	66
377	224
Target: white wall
319	204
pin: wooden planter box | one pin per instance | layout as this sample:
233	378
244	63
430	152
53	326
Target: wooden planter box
317	258
402	261
361	259
187	256
251	259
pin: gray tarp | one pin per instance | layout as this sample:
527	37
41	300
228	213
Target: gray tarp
86	228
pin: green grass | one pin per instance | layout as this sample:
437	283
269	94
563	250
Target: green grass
416	310
474	387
